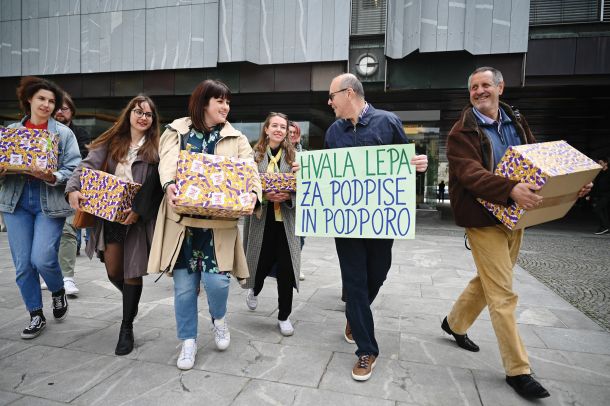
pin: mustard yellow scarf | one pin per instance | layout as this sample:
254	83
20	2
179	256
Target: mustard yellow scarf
274	167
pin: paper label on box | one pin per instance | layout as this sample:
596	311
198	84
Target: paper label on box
16	159
193	192
245	199
215	158
197	166
41	162
217	178
218	198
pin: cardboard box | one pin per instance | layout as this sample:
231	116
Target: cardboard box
106	196
561	171
278	182
20	147
212	185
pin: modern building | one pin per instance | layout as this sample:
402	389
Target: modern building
414	57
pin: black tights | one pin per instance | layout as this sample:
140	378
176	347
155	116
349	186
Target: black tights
131	287
113	258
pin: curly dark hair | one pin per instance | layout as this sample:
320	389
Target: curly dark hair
28	87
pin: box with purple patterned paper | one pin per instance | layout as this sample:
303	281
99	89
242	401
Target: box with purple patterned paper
213	185
278	182
20	148
557	167
106	195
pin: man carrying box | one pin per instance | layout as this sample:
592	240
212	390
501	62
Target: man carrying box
475	145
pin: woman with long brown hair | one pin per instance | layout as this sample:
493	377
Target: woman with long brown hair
270	239
130	151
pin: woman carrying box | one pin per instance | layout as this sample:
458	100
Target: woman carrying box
130	151
270	238
196	250
34	206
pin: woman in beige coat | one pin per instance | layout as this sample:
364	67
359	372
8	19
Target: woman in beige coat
196	250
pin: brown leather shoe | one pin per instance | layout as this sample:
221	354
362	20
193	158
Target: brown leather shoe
348	334
364	367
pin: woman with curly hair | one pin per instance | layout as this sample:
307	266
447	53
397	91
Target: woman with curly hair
34	206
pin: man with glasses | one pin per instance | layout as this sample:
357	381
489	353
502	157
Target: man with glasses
364	262
69	246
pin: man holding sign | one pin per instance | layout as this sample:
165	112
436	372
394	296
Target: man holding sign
365	262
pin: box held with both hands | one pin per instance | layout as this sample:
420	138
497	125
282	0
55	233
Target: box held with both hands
21	148
557	167
106	196
214	185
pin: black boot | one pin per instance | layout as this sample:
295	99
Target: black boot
131	299
125	344
461	339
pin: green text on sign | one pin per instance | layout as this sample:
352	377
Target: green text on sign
362	192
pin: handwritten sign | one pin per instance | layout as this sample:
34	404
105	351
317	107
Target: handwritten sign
362	192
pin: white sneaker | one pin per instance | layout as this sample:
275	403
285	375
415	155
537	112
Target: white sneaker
286	327
186	359
301	276
70	287
251	300
222	336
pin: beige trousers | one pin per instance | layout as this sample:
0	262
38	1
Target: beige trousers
495	250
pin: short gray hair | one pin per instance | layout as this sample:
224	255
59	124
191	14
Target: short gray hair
351	81
497	75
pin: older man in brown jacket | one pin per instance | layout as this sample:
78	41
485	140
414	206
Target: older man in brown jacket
476	143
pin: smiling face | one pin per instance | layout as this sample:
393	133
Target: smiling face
143	123
338	99
216	111
485	94
42	105
276	130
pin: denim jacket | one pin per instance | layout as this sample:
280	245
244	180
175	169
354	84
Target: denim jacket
52	198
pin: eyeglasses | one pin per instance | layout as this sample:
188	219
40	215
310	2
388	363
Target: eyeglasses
331	96
139	113
65	108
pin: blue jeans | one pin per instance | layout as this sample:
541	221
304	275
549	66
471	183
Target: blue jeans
185	299
33	238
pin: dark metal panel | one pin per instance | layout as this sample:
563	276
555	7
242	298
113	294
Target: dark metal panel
551	57
126	84
97	85
592	56
186	80
255	78
159	82
293	78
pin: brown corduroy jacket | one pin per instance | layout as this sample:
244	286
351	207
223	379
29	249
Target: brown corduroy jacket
469	152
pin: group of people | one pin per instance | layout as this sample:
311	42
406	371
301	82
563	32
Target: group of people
196	250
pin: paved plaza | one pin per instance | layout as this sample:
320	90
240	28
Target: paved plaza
73	361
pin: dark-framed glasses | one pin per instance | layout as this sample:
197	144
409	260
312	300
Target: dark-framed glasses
331	96
139	113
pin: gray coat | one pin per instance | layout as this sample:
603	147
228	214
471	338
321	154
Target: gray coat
254	228
139	235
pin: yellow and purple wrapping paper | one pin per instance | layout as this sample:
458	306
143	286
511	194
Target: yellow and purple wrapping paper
536	164
213	185
278	182
106	196
21	147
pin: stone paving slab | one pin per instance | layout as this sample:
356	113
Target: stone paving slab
73	362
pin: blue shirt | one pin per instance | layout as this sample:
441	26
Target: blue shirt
502	134
374	127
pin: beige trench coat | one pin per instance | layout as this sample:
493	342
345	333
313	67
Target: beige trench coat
170	226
